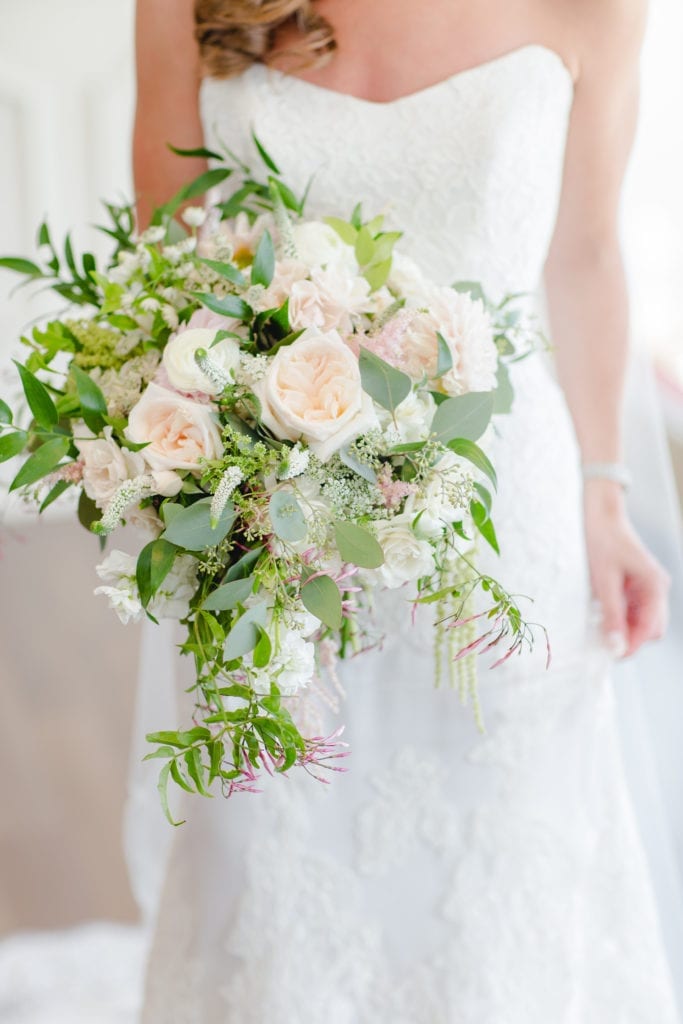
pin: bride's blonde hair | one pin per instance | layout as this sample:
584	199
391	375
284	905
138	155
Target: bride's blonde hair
232	34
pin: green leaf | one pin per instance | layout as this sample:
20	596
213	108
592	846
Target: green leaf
463	416
179	778
42	462
5	412
195	768
262	651
204	182
159	752
162	787
229	595
155	561
229	305
358	546
444	360
504	394
12	444
364	247
471	288
88	512
286	516
200	151
361	468
473	453
357	216
227	270
93	405
384	383
38	397
263	267
191	527
484	497
243	566
484	524
320	595
265	156
346	231
21	266
377	273
54	493
246	632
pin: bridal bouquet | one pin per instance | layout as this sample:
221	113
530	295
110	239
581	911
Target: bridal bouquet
292	412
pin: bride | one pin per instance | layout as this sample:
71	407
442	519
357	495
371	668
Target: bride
449	877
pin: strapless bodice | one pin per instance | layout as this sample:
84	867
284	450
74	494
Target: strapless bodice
469	168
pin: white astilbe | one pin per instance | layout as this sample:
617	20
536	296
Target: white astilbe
231	479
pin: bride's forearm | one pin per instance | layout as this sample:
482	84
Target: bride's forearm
589	322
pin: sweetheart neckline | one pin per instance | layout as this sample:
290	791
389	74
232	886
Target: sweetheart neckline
428	89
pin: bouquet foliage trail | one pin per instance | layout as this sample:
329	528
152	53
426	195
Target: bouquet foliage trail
296	415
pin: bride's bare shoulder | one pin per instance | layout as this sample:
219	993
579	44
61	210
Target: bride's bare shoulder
603	34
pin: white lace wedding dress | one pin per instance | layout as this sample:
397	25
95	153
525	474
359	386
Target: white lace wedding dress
449	877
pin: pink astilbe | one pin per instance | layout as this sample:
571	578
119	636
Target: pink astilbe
72	472
393	491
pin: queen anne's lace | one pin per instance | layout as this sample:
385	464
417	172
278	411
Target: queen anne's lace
447	878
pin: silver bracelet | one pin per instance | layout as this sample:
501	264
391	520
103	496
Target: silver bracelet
617	472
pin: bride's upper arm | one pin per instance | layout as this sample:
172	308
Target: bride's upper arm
602	126
168	76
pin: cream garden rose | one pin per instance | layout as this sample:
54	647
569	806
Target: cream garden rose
312	391
407	557
180	432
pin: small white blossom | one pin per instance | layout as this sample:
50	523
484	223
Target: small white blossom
150	304
153	234
170	317
194	216
231	479
291	668
295	463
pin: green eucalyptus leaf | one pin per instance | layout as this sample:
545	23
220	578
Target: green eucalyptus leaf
243	566
191	527
263	650
286	516
504	394
464	416
229	595
38	397
263	267
444	360
12	444
471	288
361	468
246	632
320	595
43	461
383	382
357	545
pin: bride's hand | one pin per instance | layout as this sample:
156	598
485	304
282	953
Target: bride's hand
629	583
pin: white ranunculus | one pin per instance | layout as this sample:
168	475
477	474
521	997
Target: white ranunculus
443	498
319	245
407	557
180	432
412	417
179	361
329	300
291	668
312	391
194	216
106	466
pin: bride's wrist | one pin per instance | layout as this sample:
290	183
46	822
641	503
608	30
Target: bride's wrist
604	497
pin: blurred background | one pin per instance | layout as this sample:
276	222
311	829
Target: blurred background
66	106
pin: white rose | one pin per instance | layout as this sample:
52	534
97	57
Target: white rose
328	300
180	432
412	417
179	361
443	497
318	244
406	556
312	391
106	466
